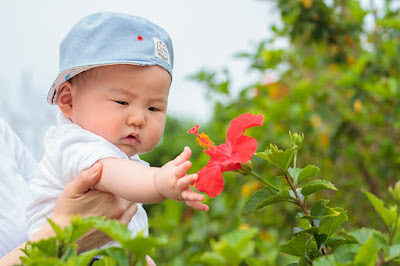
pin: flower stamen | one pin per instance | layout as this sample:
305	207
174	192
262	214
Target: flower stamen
203	139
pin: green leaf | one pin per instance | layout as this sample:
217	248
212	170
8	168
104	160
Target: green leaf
394	252
60	233
308	171
320	239
240	239
368	252
211	258
346	253
315	186
335	242
311	230
281	159
78	228
113	228
255	262
140	246
330	224
119	255
325	261
282	195
295	246
257	198
387	215
362	234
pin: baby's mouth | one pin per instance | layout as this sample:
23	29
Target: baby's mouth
131	139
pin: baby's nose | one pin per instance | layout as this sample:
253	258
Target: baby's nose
136	119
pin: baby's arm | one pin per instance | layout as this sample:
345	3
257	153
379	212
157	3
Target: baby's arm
138	183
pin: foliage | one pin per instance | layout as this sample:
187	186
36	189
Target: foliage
61	249
331	72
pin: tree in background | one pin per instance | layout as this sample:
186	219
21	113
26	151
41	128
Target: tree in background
337	81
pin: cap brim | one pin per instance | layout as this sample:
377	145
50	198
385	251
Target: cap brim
72	72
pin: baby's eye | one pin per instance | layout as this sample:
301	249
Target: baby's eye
121	102
152	109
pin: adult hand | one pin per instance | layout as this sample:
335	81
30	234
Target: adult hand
79	198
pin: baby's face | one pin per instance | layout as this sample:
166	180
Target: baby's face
125	104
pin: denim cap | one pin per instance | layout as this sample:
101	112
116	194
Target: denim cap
110	38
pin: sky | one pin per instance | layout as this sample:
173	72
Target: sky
206	34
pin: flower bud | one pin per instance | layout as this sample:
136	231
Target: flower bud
296	139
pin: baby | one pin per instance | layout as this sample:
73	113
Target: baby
112	91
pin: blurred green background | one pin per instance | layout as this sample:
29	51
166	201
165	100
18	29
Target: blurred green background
330	71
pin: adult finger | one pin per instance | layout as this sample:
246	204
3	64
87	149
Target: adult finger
87	179
128	214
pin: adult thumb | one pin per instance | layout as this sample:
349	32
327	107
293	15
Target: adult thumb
85	181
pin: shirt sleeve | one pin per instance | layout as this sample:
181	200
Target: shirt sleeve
71	149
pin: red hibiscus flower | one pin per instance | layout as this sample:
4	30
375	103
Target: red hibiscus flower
237	149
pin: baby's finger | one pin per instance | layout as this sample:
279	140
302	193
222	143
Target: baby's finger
183	157
189	194
197	205
186	181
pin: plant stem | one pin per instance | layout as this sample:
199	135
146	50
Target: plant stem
294	165
299	202
262	180
303	207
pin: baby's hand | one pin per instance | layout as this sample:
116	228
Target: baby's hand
172	182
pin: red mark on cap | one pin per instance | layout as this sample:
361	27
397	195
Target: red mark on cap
140	38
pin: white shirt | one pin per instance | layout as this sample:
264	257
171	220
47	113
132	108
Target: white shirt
17	167
70	149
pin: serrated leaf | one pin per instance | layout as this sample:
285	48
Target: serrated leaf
295	246
113	228
281	159
330	224
320	210
387	215
78	228
257	198
140	246
282	195
315	186
60	233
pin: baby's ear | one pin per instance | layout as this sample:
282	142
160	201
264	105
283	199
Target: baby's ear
64	99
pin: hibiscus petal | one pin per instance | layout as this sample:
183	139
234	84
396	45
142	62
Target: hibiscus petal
239	124
210	180
242	153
